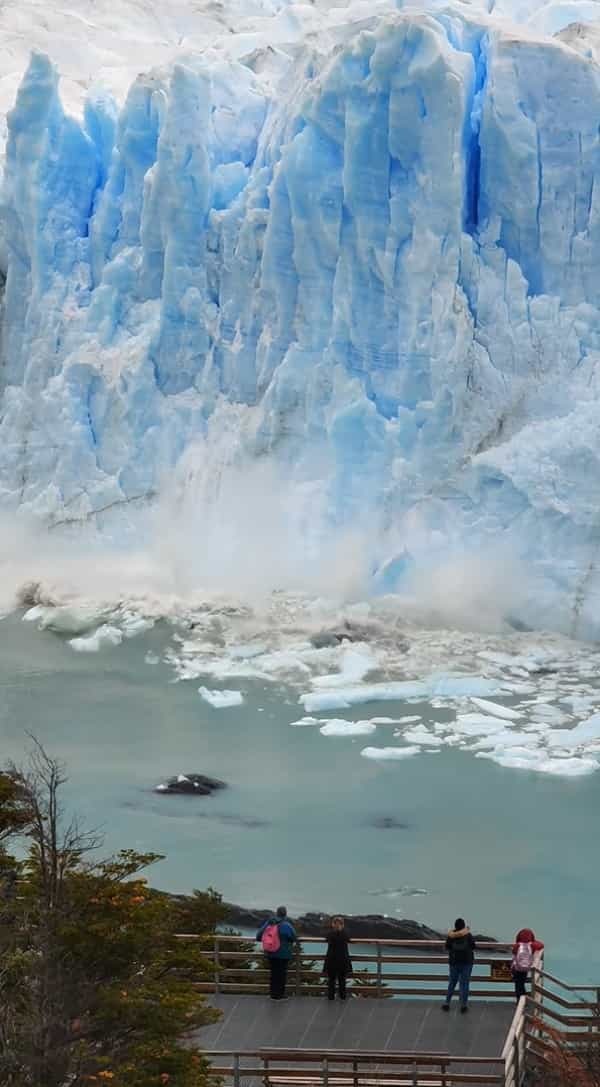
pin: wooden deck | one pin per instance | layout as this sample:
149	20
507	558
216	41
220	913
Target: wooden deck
313	1023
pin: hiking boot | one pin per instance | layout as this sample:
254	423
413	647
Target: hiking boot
445	1007
464	1009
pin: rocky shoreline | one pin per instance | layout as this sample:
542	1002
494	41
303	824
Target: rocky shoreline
313	923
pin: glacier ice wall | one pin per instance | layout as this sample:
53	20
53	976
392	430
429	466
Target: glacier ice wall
382	272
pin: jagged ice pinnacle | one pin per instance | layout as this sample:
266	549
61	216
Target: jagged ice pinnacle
372	256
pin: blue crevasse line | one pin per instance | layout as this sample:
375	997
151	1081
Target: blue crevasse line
89	408
473	147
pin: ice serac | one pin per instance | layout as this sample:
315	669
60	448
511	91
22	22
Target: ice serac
386	261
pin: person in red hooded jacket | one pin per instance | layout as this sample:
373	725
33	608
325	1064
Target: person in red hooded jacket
524	948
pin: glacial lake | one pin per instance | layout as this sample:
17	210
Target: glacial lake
305	820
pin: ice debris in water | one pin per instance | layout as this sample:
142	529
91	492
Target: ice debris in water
221	699
389	754
496	710
105	635
336	726
449	686
550	726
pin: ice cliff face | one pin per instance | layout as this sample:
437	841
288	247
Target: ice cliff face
373	256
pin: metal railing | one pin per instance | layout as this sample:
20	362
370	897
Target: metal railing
554	1019
514	1053
384	968
553	1015
342	1068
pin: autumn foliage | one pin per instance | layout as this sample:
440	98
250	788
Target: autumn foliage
565	1065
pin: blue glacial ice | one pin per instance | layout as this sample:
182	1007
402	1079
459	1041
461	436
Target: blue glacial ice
378	269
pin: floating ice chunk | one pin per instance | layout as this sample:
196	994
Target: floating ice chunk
151	658
549	714
509	738
389	753
338	727
104	636
439	685
583	733
67	619
580	703
519	758
495	710
405	720
330	701
136	624
478	724
33	615
355	664
303	722
221	700
422	736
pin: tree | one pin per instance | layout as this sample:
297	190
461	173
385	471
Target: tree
93	986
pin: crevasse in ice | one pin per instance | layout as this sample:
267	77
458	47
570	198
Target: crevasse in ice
379	267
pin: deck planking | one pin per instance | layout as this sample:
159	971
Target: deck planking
310	1022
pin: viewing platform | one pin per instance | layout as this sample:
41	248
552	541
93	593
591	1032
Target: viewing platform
391	1031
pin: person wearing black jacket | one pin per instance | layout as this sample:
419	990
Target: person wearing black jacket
460	946
337	965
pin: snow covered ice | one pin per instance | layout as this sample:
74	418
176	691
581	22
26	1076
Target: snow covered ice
358	244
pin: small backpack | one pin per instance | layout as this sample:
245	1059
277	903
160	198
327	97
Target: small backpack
461	944
271	940
524	957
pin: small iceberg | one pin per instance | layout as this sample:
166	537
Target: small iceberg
221	700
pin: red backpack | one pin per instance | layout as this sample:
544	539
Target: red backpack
271	940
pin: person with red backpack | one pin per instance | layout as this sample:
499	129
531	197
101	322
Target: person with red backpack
524	948
277	937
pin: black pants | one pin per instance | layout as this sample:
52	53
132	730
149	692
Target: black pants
340	977
279	969
520	980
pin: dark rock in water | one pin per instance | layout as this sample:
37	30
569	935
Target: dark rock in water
388	822
367	926
190	785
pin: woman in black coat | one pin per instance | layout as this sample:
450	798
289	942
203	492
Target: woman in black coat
337	965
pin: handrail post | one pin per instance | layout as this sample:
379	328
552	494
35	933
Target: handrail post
379	971
325	1072
236	1070
355	1072
298	973
415	1075
517	1061
217	964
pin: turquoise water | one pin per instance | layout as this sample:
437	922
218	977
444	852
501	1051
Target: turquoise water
301	820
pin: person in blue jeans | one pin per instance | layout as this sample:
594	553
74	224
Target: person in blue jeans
279	960
460	946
